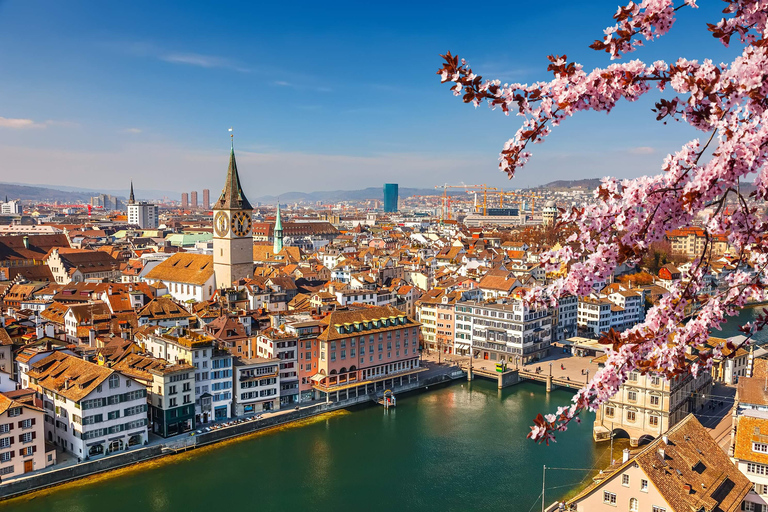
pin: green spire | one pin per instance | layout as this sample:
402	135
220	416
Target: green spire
278	231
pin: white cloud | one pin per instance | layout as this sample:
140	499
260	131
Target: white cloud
132	130
203	61
23	124
641	150
19	124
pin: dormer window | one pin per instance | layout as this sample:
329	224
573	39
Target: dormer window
114	381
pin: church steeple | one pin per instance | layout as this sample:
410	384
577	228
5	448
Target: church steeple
131	199
232	197
278	232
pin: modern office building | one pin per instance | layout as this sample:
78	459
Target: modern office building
390	197
141	213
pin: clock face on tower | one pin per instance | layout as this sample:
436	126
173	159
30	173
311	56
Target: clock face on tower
241	224
221	224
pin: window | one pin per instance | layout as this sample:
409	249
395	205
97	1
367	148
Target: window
114	381
609	411
760	447
654	400
633	505
609	498
660	509
632	396
6	456
644	485
654	421
756	469
625	480
113	415
630	415
26	423
26	437
5	442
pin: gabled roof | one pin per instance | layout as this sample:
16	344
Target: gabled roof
185	268
689	469
69	376
162	308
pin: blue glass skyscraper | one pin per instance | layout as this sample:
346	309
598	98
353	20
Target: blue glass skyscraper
390	197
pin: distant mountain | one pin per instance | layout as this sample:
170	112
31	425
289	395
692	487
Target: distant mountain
42	194
586	184
333	196
73	194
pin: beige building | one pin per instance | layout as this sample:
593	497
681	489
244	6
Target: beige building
647	405
232	231
682	471
22	441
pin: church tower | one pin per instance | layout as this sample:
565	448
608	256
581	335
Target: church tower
277	234
232	238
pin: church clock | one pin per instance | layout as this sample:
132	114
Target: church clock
221	223
241	224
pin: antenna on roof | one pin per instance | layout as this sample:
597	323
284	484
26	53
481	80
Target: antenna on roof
232	138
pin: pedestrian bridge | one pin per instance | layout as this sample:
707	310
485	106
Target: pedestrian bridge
512	377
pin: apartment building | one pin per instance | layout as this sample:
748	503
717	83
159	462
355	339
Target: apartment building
436	312
278	344
22	438
213	366
503	331
646	406
749	437
257	385
170	392
565	318
90	410
617	310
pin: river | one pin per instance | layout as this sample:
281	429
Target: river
731	326
458	447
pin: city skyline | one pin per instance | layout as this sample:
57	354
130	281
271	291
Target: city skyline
365	103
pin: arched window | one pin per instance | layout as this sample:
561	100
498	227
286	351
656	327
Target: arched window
633	506
114	381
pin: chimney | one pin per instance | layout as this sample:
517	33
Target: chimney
661	453
26	241
665	439
92	338
688	488
625	455
66	383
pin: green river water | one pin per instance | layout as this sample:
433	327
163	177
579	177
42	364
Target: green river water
458	447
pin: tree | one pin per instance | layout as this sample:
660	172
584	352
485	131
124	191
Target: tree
725	101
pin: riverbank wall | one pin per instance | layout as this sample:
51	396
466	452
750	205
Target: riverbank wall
57	476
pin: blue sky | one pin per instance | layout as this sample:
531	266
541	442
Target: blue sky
322	95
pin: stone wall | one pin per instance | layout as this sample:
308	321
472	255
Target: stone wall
66	474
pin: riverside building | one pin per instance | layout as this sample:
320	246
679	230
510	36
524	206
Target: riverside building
90	410
365	351
508	331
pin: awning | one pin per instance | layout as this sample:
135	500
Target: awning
318	377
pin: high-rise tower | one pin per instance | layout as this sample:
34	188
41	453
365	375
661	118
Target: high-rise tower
232	238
